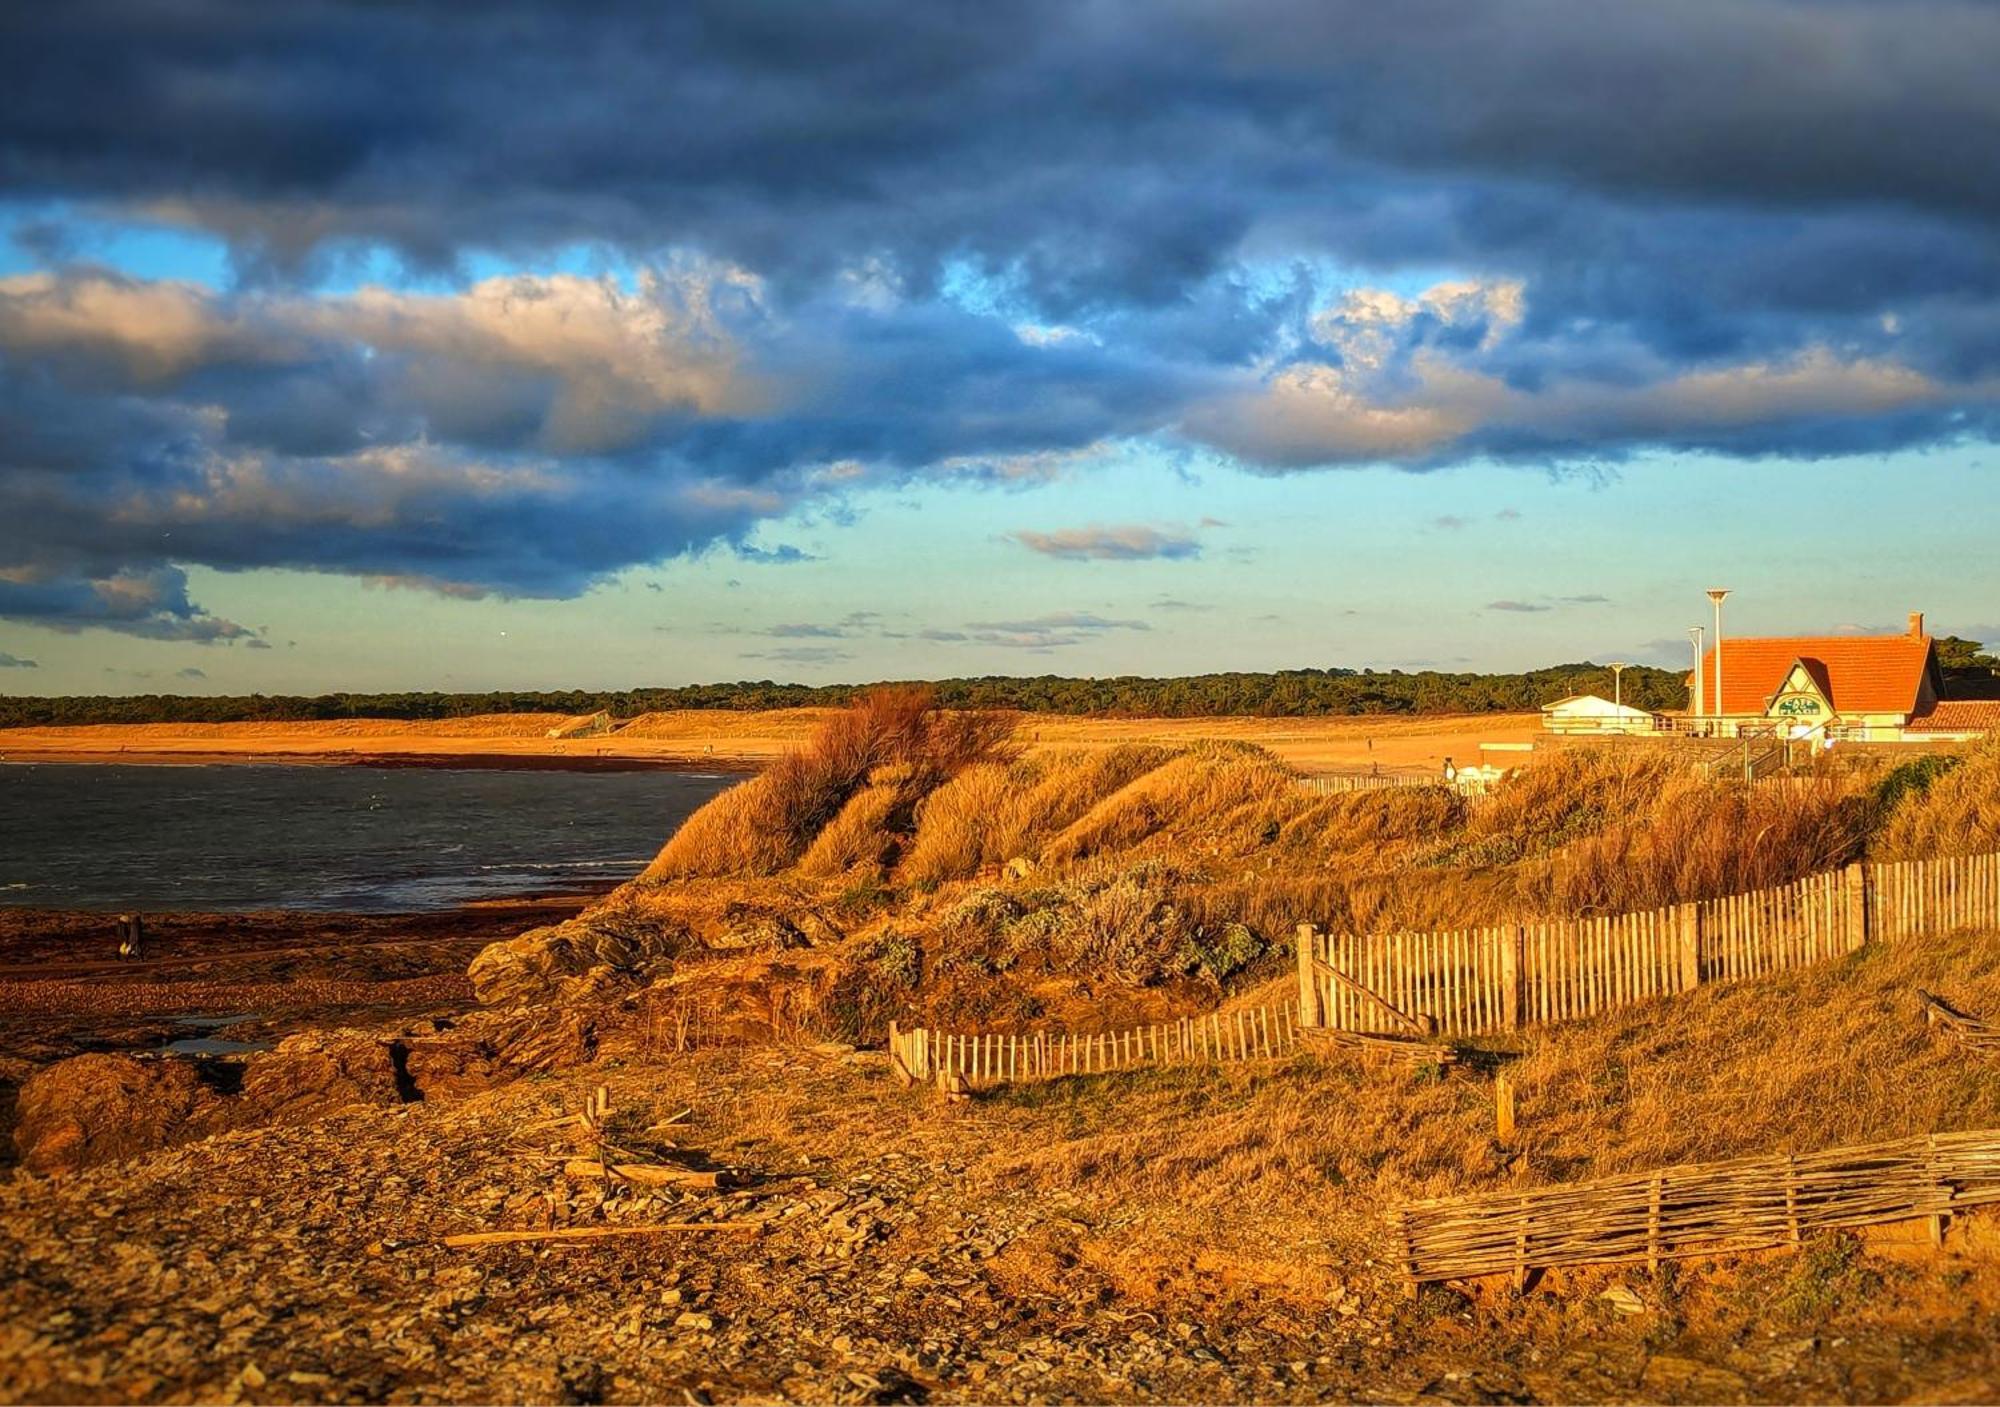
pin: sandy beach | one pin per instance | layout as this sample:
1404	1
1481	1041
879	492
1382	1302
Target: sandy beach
726	740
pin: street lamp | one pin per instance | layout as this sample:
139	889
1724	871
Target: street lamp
1715	595
1694	638
1618	669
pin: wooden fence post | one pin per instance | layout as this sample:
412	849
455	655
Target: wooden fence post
1512	970
1858	917
1690	946
1503	1109
1309	1012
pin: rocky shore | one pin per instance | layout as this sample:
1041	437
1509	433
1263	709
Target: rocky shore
291	990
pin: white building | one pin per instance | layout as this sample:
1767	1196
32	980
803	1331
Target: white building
1587	713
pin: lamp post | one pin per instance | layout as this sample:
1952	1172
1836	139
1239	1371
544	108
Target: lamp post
1715	596
1618	669
1694	638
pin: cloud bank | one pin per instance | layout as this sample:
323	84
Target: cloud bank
866	244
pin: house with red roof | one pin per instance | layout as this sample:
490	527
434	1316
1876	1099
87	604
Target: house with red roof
1853	688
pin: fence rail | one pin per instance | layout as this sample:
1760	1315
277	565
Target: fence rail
993	1058
1699	1208
1475	980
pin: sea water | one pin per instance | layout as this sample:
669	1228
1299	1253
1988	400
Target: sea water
350	839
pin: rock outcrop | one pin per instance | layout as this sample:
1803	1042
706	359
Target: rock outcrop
533	967
97	1108
318	1073
491	1048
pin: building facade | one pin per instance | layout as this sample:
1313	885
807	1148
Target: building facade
1843	688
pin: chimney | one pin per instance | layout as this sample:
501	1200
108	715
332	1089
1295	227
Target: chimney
1916	625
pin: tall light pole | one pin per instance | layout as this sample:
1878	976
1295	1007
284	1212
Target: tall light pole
1715	595
1618	669
1694	638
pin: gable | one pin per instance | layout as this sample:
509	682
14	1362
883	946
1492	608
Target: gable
1805	693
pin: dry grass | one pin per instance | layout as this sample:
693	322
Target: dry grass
1819	1057
1151	873
1055	788
1943	805
1701	838
956	833
864	833
773	820
1812	1059
1211	788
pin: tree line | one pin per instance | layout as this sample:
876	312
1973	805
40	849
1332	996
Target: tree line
1284	693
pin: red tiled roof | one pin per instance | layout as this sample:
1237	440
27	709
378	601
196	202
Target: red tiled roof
1948	715
1861	673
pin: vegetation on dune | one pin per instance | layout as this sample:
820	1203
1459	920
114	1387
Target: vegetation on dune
1615	832
1282	693
1072	887
1942	805
892	738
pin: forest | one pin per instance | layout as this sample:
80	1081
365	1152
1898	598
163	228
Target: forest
1284	693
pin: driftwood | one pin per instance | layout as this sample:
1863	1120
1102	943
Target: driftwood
650	1174
1969	1031
594	1233
1699	1209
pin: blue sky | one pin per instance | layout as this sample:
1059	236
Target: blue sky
365	349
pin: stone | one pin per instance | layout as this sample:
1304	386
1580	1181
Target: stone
1622	1299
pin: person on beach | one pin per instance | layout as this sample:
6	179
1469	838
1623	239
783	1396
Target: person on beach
131	935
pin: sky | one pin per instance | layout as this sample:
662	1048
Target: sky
516	346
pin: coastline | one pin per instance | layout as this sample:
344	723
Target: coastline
435	761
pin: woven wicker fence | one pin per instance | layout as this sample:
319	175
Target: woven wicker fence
1698	1209
1474	980
996	1058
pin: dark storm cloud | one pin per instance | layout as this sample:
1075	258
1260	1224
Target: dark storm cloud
1119	148
881	242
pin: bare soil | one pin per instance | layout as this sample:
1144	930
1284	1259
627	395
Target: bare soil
903	1249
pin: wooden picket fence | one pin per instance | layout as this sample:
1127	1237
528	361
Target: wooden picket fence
1475	980
1698	1209
994	1058
1339	783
